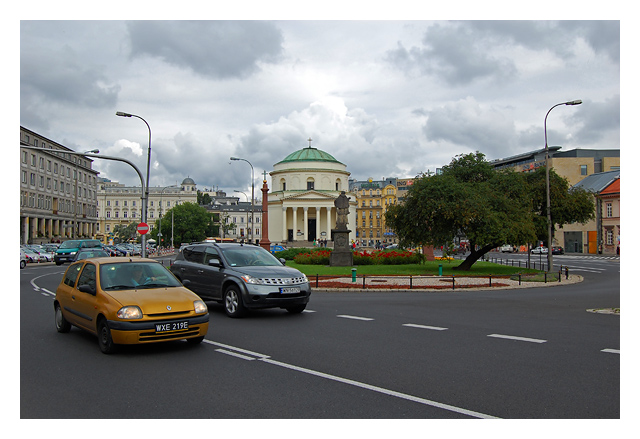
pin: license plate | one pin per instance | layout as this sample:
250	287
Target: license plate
289	290
172	326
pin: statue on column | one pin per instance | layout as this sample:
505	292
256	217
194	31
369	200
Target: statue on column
341	256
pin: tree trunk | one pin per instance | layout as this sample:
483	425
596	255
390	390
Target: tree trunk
474	256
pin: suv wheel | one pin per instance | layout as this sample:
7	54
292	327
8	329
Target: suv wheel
233	302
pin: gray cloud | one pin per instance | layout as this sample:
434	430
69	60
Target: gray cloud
218	49
62	76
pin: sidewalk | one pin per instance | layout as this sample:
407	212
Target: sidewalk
431	283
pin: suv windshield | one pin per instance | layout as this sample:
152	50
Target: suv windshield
247	256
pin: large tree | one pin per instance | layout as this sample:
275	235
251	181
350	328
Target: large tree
488	206
470	197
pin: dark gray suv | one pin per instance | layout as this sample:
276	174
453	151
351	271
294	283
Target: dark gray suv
241	277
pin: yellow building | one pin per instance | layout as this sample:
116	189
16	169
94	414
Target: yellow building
373	198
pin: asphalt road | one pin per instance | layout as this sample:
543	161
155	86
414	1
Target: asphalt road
525	354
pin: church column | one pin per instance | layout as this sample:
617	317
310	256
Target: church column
306	223
329	223
284	224
318	236
295	223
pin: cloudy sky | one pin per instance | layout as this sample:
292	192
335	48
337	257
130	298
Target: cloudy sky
386	98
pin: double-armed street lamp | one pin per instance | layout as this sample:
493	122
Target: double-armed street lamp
252	192
546	151
146	188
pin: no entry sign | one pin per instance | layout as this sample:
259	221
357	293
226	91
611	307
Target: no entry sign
143	228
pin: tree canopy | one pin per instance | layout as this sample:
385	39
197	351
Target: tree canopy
487	206
191	222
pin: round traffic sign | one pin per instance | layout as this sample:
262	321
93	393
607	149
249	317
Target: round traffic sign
143	228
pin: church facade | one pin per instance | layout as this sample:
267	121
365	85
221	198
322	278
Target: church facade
304	187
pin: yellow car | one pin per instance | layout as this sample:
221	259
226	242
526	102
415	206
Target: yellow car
128	301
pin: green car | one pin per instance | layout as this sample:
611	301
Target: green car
68	249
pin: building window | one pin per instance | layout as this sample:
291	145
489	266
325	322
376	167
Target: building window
609	236
583	169
310	185
609	210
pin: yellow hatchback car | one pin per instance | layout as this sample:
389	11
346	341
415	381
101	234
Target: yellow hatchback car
128	301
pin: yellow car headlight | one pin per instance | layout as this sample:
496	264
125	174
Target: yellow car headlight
129	313
200	307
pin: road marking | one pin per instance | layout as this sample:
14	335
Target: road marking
308	310
354	317
244	351
611	351
434	328
234	354
382	390
512	337
265	358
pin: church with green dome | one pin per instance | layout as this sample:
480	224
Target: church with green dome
304	186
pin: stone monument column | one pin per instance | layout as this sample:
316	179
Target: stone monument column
264	240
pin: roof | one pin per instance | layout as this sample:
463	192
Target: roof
597	182
188	180
309	154
613	188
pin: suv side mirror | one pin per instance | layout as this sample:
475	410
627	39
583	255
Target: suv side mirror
283	261
215	262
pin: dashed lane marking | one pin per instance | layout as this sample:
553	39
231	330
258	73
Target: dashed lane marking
434	328
513	337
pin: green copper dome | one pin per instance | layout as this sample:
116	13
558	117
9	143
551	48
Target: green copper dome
309	154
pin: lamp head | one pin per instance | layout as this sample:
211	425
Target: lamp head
120	113
234	158
576	102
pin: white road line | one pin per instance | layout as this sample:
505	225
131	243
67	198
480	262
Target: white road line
512	337
382	390
308	310
434	328
354	317
255	354
233	354
611	351
267	359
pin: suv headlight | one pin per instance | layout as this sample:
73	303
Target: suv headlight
200	307
129	313
251	280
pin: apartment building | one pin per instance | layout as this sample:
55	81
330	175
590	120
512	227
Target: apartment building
57	191
373	198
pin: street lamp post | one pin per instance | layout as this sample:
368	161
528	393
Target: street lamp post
145	189
247	197
160	225
548	167
252	192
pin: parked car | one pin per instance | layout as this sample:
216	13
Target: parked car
128	301
23	259
32	256
241	277
507	248
277	248
540	250
557	250
86	253
68	249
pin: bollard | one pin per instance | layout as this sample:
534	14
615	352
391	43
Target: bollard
439	269
353	275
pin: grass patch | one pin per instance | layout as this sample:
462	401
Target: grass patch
480	268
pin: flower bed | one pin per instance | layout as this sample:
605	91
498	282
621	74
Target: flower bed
381	257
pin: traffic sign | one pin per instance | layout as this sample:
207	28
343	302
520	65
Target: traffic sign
143	228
